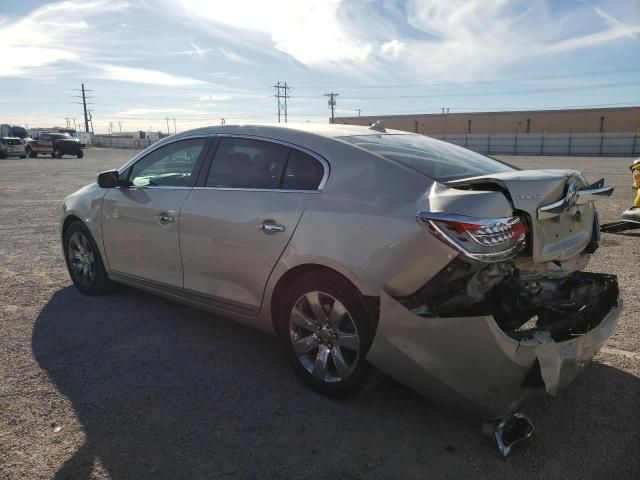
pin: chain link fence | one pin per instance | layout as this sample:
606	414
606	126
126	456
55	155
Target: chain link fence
565	144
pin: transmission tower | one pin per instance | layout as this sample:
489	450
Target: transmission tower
281	99
332	103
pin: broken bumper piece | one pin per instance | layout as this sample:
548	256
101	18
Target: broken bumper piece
468	364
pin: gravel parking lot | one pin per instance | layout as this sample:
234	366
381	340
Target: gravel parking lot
134	386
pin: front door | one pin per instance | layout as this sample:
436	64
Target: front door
140	221
234	227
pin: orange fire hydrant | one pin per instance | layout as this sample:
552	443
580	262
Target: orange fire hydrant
635	171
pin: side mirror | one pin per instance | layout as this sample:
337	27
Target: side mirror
108	179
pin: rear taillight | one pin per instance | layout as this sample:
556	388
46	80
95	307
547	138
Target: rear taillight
483	239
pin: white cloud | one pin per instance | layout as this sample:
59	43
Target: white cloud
214	98
310	31
143	75
234	57
39	39
453	39
392	48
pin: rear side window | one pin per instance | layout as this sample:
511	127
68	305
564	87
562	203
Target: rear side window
247	163
260	164
303	172
434	158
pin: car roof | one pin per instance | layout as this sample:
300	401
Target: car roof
268	129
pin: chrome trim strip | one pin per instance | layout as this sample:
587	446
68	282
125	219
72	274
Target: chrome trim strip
275	190
584	196
210	300
590	194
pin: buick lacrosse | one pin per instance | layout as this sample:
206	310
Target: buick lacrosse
457	274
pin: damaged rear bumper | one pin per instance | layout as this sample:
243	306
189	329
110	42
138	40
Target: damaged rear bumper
470	365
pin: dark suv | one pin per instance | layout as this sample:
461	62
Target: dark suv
55	144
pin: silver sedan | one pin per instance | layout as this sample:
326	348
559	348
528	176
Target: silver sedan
457	274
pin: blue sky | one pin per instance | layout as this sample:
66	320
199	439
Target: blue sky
200	60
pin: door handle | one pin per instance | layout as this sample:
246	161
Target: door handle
165	219
269	227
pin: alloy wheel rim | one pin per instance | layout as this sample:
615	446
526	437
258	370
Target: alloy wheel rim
324	337
82	259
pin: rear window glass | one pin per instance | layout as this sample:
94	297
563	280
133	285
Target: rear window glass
434	158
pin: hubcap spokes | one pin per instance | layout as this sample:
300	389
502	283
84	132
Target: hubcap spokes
81	258
324	337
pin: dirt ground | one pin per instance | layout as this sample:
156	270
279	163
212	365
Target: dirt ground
133	386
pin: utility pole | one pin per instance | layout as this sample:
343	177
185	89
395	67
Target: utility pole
281	99
359	110
168	132
222	121
67	120
119	126
75	126
84	104
174	126
110	128
332	103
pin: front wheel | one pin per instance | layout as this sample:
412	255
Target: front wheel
31	153
57	153
327	333
80	154
84	262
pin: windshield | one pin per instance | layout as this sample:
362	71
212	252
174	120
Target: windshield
13	141
434	158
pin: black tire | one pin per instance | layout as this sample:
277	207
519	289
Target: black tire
2	156
96	284
329	287
57	153
53	155
31	153
80	154
23	156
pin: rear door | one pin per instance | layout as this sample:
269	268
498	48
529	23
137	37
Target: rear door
140	221
236	223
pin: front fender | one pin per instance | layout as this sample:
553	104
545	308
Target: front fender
86	204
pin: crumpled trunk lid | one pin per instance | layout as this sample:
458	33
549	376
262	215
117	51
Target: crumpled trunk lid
558	203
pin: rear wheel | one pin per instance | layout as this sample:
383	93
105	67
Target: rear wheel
57	153
84	262
327	333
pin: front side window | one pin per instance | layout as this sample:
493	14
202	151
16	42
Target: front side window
436	159
169	166
247	163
